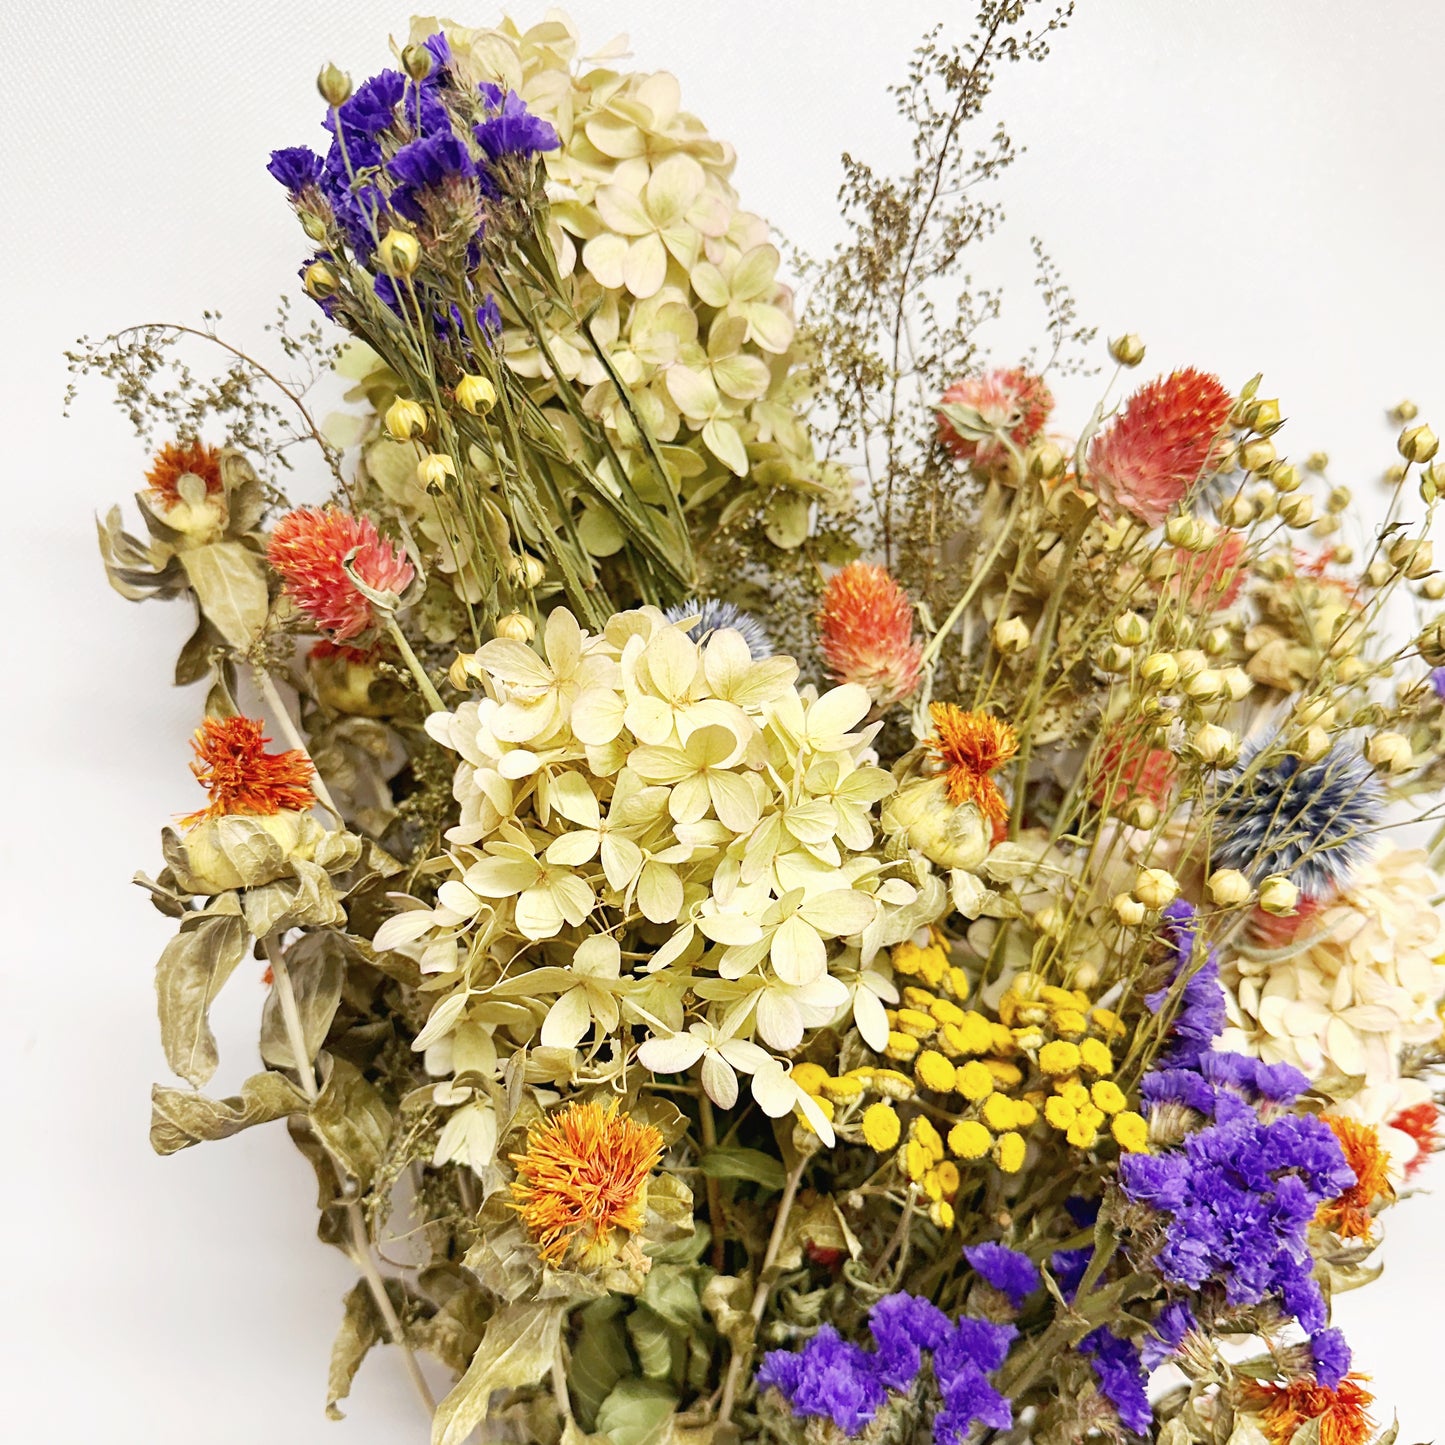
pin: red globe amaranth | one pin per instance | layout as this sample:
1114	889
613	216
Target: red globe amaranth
1163	441
1273	930
865	629
1136	771
310	549
1422	1123
1015	401
233	766
175	460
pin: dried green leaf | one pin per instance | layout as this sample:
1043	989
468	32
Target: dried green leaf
180	1118
652	1339
518	1348
361	1328
454	1333
230	585
599	1357
191	970
352	1118
748	1164
637	1412
317	965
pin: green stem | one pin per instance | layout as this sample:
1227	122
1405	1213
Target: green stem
282	714
428	689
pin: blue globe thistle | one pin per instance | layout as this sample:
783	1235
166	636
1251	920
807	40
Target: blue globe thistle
713	614
1309	821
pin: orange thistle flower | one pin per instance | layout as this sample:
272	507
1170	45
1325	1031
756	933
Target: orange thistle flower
865	628
1137	771
584	1173
1158	446
1349	1216
1340	1412
174	461
972	745
233	766
310	548
1016	401
1422	1123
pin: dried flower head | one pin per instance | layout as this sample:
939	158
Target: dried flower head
233	766
714	614
178	459
1340	1413
972	746
1422	1123
310	549
583	1174
1350	1216
1160	444
1015	402
865	626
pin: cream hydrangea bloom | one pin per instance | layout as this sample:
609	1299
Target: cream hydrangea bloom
1359	987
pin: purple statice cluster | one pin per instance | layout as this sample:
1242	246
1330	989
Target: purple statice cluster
835	1379
1122	1381
434	158
1007	1270
1236	1198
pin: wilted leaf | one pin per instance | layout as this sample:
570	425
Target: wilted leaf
636	1412
671	1292
352	1118
180	1118
652	1339
361	1328
317	965
192	968
519	1348
503	1259
230	585
599	1358
669	1210
749	1164
454	1333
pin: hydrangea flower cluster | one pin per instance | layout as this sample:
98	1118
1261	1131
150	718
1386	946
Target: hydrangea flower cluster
841	1381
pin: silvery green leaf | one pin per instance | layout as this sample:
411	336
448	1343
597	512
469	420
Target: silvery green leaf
180	1118
518	1348
352	1118
361	1328
317	965
230	586
189	974
503	1258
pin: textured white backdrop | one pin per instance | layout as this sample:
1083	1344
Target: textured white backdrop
1251	187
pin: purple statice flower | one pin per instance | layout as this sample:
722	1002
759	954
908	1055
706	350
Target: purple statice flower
1121	1378
903	1326
1278	1083
829	1377
510	128
1171	1325
297	168
1307	820
1437	681
440	50
1007	1270
1178	1086
1070	1265
1332	1357
371	109
489	318
961	1365
1200	1017
436	167
1082	1211
713	615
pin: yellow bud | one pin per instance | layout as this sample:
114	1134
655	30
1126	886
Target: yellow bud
1415	558
516	626
460	674
1130	629
1431	643
1433	588
1317	462
1129	911
1390	752
1257	454
1127	350
1418	444
1205	686
1378	572
1432	481
1297	510
1188	533
1115	659
405	419
1229	888
320	281
399	252
526	571
1285	478
416	60
1160	670
1156	887
1404	411
1047	462
476	394
1237	511
334	85
1215	746
1393	475
1339	499
1264	415
1010	634
1278	895
1141	813
434	469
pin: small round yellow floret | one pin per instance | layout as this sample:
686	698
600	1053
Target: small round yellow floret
929	1137
914	1158
1005	1074
1107	1022
971	1034
809	1077
948	1176
955	980
1000	1113
973	1080
968	1139
890	1083
928	963
1026	1113
1075	1093
901	1047
1130	1132
1059	1057
916	1022
946	1011
842	1088
934	1071
882	1128
1081	1133
1009	1152
1095	1057
1068	1021
919	998
941	1214
1001	1040
1107	1096
932	1186
1059	1112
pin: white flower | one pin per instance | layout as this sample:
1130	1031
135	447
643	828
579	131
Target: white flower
723	1058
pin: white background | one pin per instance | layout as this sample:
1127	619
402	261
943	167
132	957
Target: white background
1250	186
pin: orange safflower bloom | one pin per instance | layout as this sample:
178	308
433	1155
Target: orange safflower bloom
583	1174
1350	1215
1341	1412
175	460
233	766
971	746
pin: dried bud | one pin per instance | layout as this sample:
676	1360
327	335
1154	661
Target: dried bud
1349	669
1190	660
1338	500
1317	462
1047	462
1216	641
1297	510
1311	745
1315	710
1115	659
1236	511
476	394
1127	350
314	226
1285	477
1432	481
1264	415
405	419
1393	475
1390	752
398	252
1205	686
1378	572
1278	895
1403	412
516	626
1413	557
1418	444
1160	670
460	673
1238	683
1141	813
1214	746
416	60
1156	887
1257	454
334	85
320	281
1010	634
1344	554
434	469
1129	911
1189	533
1228	887
1433	588
1130	629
